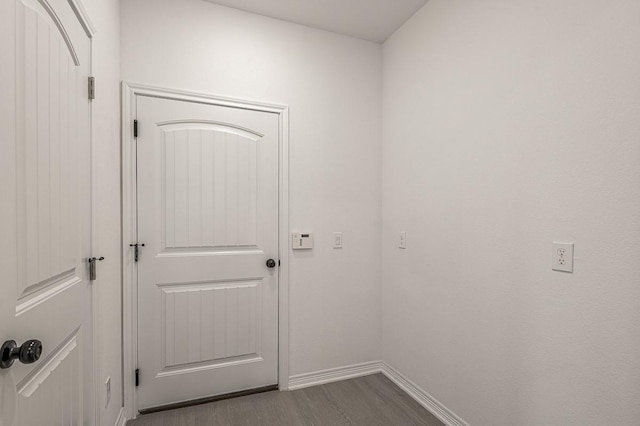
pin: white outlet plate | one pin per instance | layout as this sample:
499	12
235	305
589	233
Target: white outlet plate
562	257
337	240
402	242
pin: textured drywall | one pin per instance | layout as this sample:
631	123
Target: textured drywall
508	125
332	85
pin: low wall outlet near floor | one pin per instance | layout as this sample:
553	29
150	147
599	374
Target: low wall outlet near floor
107	385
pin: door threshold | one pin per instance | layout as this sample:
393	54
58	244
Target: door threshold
208	399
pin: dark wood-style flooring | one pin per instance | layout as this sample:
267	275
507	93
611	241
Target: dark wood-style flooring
365	401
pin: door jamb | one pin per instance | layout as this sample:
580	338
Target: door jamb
85	21
129	276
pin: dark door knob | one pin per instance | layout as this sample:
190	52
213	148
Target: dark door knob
271	263
28	353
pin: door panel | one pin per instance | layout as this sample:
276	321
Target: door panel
210	186
48	159
45	214
208	215
189	310
51	394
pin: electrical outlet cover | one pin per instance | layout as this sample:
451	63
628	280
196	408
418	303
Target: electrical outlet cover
562	257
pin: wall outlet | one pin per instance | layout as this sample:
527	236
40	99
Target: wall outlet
402	242
337	240
107	386
562	257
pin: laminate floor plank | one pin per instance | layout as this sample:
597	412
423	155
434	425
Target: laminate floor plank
356	405
399	407
365	401
318	408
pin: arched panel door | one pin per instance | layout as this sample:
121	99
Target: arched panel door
45	214
207	206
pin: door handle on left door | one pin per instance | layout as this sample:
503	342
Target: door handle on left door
271	263
28	353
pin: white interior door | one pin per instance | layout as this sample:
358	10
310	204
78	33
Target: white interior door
45	212
207	185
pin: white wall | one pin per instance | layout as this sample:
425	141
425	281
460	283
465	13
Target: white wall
332	85
106	200
508	125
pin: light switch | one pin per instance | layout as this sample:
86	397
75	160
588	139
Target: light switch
337	240
402	243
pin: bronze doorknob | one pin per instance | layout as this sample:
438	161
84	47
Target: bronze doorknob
28	353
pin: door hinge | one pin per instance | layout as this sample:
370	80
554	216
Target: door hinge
136	250
137	377
92	88
92	267
135	128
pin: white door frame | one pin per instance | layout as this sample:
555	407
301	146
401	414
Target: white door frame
129	276
85	20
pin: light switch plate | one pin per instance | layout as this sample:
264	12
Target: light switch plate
562	257
402	243
337	240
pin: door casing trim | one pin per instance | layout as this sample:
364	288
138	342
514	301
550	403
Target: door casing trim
129	277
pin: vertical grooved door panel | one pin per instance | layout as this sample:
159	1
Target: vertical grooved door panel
47	171
45	213
234	304
207	190
209	186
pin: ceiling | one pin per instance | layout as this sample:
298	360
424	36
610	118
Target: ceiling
373	20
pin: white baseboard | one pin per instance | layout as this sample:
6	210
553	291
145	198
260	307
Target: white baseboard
432	405
121	420
334	375
358	370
